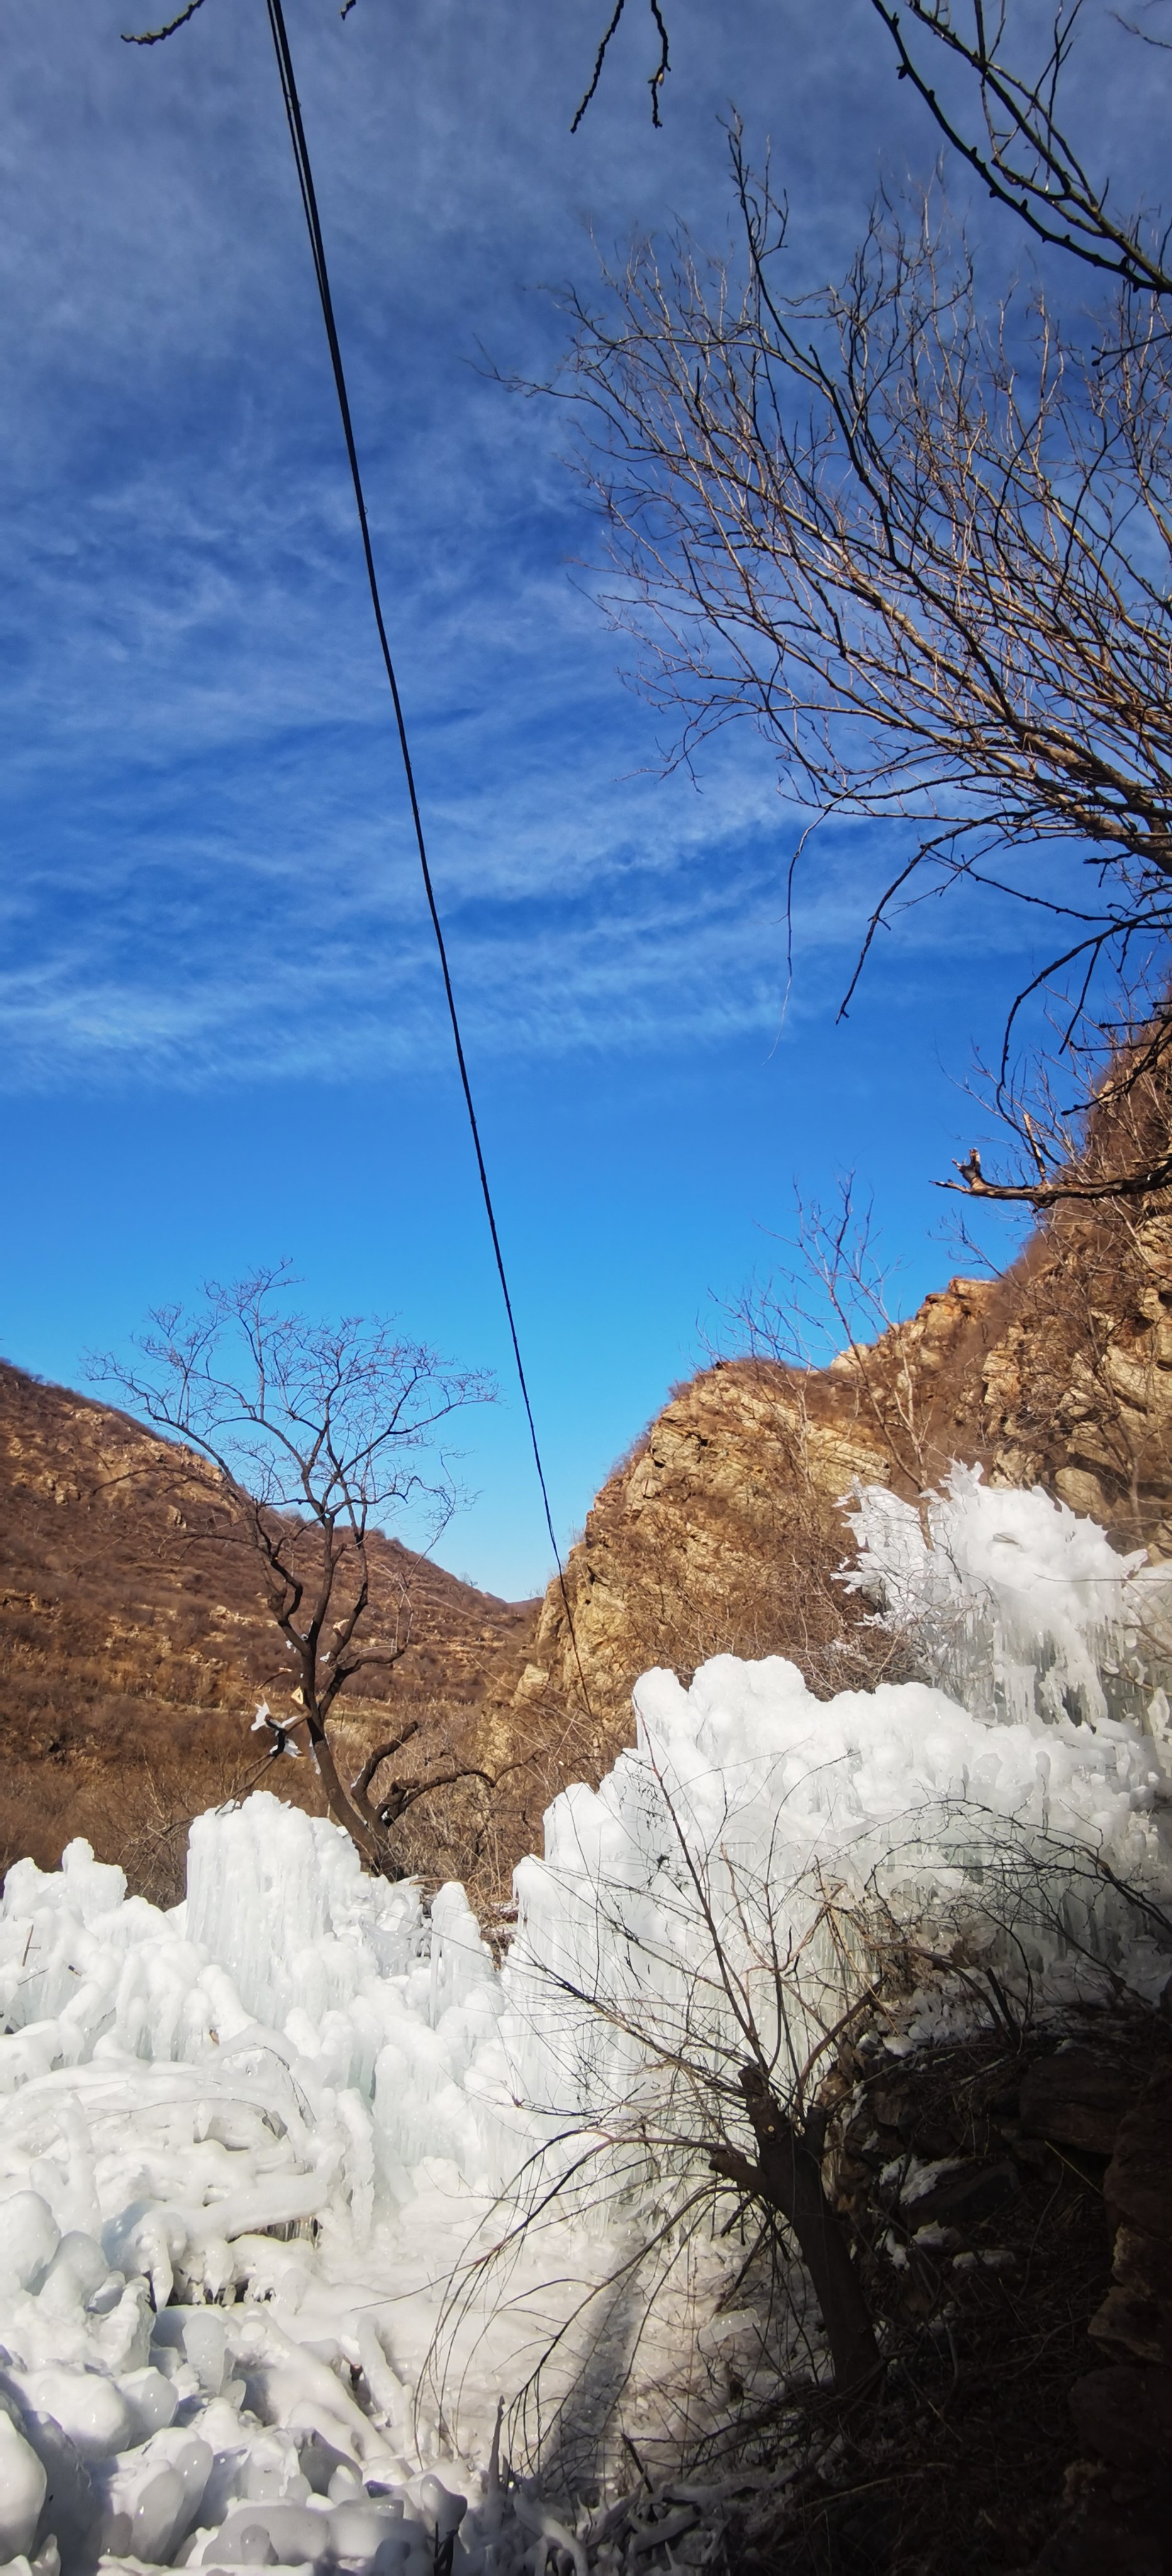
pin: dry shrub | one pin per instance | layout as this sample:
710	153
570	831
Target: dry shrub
135	1813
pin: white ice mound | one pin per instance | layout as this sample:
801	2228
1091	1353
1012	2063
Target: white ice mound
293	2053
285	1957
721	1865
245	2146
1019	1606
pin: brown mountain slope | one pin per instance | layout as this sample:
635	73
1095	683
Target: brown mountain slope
133	1651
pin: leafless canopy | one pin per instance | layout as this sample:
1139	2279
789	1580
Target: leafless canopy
317	1433
922	535
926	550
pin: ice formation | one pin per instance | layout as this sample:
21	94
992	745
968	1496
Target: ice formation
748	1811
1020	1606
289	2054
245	2147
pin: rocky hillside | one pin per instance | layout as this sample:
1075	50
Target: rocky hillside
721	1531
133	1650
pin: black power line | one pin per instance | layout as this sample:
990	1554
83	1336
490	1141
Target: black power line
317	245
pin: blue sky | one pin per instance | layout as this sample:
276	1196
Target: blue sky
223	1035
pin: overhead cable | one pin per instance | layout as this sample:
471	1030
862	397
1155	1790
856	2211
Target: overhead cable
317	246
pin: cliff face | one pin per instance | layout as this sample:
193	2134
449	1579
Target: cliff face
1074	1390
722	1531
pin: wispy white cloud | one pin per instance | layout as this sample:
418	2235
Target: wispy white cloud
206	879
208	863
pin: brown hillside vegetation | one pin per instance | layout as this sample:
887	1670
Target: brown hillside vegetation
133	1649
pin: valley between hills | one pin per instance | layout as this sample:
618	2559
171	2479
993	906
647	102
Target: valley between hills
1000	2171
134	1647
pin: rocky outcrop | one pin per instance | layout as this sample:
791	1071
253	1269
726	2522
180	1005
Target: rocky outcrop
1075	1389
989	2177
719	1534
722	1531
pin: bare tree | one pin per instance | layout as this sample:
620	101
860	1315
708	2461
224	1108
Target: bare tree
315	1434
685	2051
923	543
1011	68
705	2049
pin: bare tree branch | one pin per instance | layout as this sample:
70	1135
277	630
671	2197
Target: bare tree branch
925	551
1021	152
314	1432
159	35
658	76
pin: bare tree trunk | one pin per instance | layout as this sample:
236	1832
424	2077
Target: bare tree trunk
342	1808
787	2176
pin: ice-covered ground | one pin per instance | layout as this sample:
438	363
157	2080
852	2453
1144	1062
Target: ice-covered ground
248	2151
263	2159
